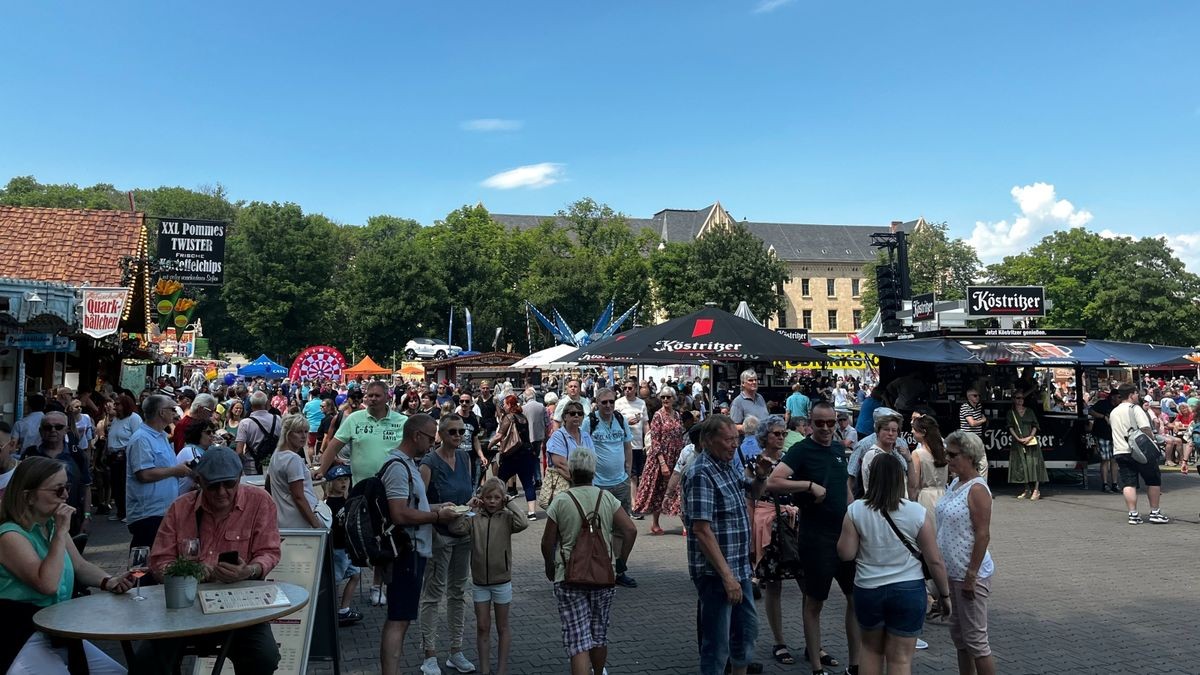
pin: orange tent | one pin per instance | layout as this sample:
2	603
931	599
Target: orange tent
412	370
366	367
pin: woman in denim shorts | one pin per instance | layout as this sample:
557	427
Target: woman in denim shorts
889	586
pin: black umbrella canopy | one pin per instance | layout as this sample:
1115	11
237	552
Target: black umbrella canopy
710	334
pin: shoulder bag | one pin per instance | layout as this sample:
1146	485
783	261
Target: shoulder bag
553	482
508	438
911	549
590	564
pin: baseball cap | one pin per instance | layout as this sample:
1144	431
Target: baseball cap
219	464
885	413
337	471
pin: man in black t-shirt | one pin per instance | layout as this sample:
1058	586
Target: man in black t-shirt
1103	433
814	472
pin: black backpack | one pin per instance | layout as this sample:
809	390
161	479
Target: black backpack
267	444
594	420
371	536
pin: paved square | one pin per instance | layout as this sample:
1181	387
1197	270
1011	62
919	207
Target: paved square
1077	590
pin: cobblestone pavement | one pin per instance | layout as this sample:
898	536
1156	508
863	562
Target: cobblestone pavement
1077	590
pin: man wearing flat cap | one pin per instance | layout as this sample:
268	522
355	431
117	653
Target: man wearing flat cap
225	516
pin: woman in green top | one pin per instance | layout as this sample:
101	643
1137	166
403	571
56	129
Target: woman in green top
1025	463
38	568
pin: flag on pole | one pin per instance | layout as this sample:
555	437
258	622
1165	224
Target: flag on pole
450	331
467	310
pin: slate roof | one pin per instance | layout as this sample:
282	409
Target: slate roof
68	245
792	241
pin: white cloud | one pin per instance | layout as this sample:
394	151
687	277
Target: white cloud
765	6
530	176
492	124
1041	213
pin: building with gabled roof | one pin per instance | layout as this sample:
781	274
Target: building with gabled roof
48	256
825	262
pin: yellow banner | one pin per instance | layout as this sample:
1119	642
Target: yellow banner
839	359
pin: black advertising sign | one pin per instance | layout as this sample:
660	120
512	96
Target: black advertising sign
1006	301
922	307
797	334
192	251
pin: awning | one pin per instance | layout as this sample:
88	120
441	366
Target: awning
1140	353
929	350
1040	351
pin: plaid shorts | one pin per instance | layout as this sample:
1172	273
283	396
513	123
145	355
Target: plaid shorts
1106	451
584	614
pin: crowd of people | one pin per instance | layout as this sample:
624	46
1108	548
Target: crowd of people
794	490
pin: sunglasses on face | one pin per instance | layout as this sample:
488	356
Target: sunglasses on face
829	424
465	401
60	491
778	434
573	413
454	432
606	402
223	484
55	427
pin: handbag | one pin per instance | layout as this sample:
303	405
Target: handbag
911	549
785	542
510	439
553	483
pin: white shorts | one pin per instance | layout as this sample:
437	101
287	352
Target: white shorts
500	594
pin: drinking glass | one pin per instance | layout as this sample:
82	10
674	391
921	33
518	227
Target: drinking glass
139	564
191	549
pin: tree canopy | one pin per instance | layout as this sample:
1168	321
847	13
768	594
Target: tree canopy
936	264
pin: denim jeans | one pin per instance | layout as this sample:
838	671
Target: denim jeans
727	632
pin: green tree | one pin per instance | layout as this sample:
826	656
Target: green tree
26	191
936	264
1116	288
391	291
726	265
281	265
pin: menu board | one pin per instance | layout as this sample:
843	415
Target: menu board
302	553
950	380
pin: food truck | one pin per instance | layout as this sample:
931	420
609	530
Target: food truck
941	365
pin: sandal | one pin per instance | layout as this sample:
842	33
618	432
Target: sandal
782	655
1035	496
657	532
1023	495
826	660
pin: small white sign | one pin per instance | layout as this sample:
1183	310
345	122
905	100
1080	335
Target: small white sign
102	311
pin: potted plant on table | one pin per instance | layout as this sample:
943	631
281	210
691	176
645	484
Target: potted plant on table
180	578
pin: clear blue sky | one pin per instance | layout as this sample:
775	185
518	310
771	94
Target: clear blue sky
796	111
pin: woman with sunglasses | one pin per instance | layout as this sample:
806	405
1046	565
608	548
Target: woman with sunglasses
196	439
446	472
39	566
964	522
667	438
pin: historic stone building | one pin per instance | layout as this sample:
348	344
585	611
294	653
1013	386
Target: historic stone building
825	262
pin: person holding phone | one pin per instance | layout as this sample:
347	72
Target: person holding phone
239	539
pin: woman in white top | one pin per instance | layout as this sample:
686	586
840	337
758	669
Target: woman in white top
889	586
887	430
964	517
118	433
288	478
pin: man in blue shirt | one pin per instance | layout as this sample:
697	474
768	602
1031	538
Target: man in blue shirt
797	404
151	471
718	546
314	414
613	443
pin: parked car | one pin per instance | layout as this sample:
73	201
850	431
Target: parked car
430	348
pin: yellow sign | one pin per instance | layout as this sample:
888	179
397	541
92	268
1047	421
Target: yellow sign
839	359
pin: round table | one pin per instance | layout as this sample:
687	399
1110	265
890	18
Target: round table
106	616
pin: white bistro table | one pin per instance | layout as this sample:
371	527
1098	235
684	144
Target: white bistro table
106	616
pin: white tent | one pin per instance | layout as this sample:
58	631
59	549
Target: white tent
546	358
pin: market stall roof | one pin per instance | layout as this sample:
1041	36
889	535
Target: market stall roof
545	357
1041	348
366	367
710	334
262	367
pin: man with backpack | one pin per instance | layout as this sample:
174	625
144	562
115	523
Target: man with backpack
258	434
409	508
1125	419
613	441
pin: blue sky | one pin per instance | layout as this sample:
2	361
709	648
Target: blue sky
1005	119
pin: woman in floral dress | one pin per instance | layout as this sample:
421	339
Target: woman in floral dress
667	439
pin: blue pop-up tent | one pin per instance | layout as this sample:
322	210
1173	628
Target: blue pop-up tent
262	367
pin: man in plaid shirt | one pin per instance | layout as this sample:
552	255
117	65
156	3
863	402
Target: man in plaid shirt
718	543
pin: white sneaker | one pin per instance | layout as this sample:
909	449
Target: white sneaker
459	662
430	667
921	644
377	597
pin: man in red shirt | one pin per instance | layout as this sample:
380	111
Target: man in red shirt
226	517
